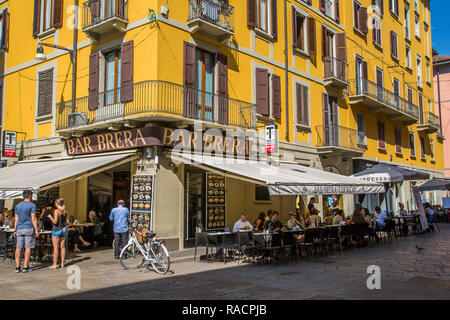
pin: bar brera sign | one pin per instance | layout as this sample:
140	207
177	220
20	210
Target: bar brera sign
211	141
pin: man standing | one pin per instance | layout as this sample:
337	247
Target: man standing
120	216
334	208
381	216
26	230
242	224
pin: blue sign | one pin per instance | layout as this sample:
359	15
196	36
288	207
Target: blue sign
446	203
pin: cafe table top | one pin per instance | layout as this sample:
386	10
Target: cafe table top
218	233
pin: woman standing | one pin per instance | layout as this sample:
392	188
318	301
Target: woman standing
59	220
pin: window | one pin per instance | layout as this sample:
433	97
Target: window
396	86
381	135
407	24
432	149
394	45
300	32
329	8
360	17
113	75
48	14
416	6
302	105
419	71
377	31
45	93
263	15
412	144
408	57
428	73
393	6
398	140
378	6
421	117
422	148
262	193
361	124
4	30
204	84
417	27
426	42
327	43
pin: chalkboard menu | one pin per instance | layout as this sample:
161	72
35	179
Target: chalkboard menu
215	204
45	197
142	201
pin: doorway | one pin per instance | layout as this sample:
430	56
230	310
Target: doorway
194	217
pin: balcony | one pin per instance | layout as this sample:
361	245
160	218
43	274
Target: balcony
153	100
104	17
429	123
380	100
335	73
211	18
334	139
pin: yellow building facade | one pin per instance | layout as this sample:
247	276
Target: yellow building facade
347	83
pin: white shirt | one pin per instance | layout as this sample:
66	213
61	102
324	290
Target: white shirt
242	225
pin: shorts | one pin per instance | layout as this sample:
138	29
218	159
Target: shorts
59	234
25	239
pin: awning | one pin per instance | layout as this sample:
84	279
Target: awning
435	184
45	174
385	173
281	179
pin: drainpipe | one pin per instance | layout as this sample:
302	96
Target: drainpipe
439	99
74	55
286	70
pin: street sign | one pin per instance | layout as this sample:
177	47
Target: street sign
9	143
271	139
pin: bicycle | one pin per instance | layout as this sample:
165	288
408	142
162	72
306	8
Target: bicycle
144	250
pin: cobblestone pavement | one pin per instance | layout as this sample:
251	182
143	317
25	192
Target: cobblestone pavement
406	273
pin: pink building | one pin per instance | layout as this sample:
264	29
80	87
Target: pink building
441	66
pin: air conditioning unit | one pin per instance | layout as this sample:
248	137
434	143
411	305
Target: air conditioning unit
77	119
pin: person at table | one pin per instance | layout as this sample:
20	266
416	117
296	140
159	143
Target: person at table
429	213
334	208
75	237
401	211
120	216
315	218
93	229
48	210
381	216
242	224
306	216
269	215
358	216
26	230
328	218
274	224
293	222
338	218
258	225
59	219
8	219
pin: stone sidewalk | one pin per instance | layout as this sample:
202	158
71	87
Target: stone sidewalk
406	273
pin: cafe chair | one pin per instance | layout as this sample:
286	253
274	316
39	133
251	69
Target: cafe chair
228	246
333	237
307	243
244	244
201	240
288	245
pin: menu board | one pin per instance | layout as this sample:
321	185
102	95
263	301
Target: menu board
142	201
215	203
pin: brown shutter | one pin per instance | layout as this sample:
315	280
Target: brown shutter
57	13
324	42
363	20
294	28
337	14
276	96
251	13
274	19
190	105
5	35
223	88
335	120
45	94
396	7
364	74
262	91
305	105
341	43
300	113
398	140
312	35
93	80
381	138
392	43
322	6
36	15
326	115
127	57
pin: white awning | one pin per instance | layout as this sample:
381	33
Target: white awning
40	175
281	179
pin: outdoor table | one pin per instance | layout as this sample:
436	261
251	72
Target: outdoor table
217	239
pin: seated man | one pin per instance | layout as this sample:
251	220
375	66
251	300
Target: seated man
75	236
274	224
315	219
338	218
381	216
242	224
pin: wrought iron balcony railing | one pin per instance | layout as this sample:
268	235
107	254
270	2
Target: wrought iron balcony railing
97	11
339	137
334	68
216	12
364	87
155	98
433	120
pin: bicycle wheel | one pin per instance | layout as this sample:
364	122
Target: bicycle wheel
162	257
131	257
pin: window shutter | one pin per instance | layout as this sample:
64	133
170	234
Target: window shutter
5	35
305	105
341	43
276	97
396	7
390	5
337	15
382	6
223	88
324	42
127	57
300	113
364	70
262	91
93	80
36	15
381	138
312	35
45	95
363	20
294	28
398	140
274	19
190	104
322	6
57	13
392	43
326	122
251	13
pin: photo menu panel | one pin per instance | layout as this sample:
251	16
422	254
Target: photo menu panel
142	201
215	204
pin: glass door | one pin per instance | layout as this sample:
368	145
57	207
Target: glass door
204	85
194	205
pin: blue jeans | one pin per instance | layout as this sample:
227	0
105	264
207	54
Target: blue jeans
121	240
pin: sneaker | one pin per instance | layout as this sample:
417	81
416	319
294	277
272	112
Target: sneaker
17	269
25	270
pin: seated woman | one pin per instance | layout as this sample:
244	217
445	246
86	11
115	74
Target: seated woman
93	230
294	224
258	225
8	219
75	236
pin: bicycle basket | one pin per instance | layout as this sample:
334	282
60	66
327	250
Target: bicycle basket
141	234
